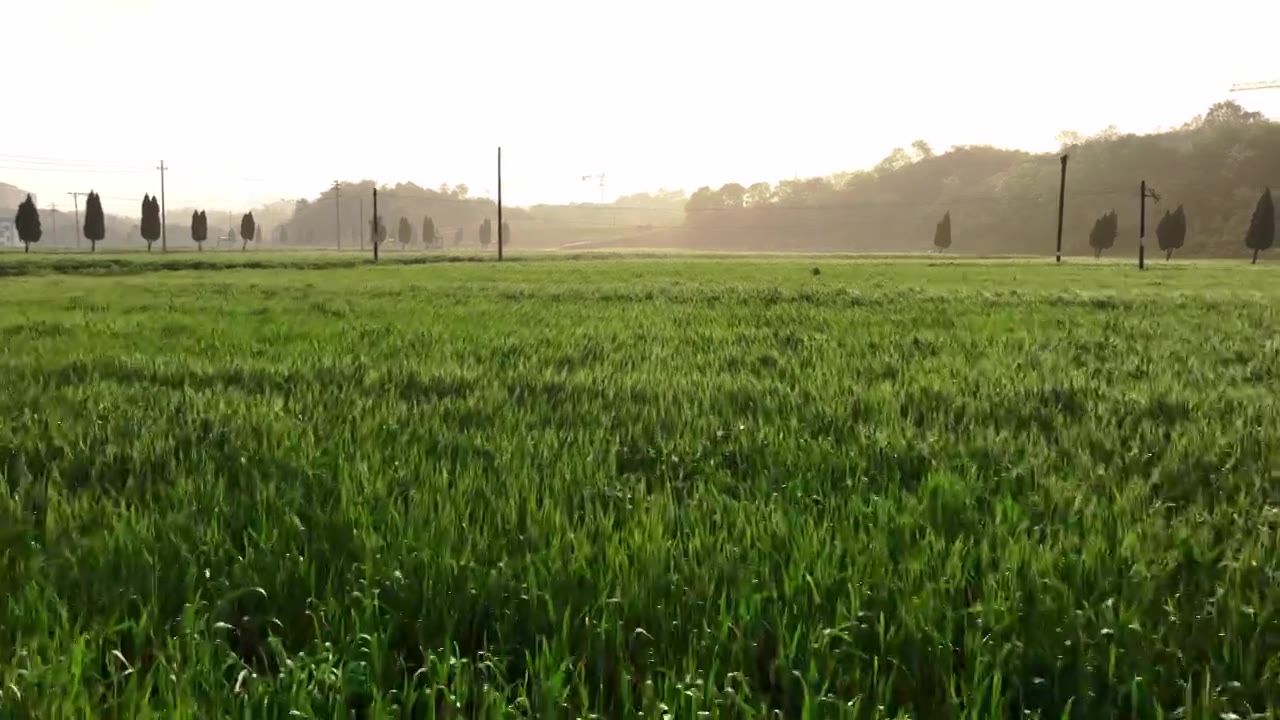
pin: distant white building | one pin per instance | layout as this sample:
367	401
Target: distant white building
8	234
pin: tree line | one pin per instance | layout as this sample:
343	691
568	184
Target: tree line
30	229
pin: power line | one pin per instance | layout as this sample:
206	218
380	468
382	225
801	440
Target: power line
87	171
39	161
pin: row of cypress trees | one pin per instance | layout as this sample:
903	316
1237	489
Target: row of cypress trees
1171	230
432	238
30	229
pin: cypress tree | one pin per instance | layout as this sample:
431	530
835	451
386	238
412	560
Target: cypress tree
1262	227
95	224
942	234
248	230
28	222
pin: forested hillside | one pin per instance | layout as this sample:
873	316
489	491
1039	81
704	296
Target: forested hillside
1005	201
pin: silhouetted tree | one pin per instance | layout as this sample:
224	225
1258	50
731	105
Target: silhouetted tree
1104	233
1171	231
199	228
1164	233
150	226
458	236
95	222
284	235
942	234
1262	227
248	230
404	232
506	233
486	233
429	237
28	222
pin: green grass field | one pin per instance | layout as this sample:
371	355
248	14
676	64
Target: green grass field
696	487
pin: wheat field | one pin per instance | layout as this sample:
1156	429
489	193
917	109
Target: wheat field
299	486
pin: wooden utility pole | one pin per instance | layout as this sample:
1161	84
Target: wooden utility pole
499	204
337	211
376	224
1145	193
1062	199
164	232
75	198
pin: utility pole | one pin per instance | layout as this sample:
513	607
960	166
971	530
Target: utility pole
75	198
1145	193
374	235
1062	199
499	204
337	211
164	231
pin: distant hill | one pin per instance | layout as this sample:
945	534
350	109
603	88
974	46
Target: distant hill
1005	201
11	197
313	221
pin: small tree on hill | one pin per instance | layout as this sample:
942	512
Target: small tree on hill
429	237
95	222
404	233
486	233
1103	235
28	222
150	225
1171	231
248	230
942	234
1262	227
199	229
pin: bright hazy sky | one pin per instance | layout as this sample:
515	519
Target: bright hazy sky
252	101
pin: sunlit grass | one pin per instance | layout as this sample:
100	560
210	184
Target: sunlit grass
554	489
